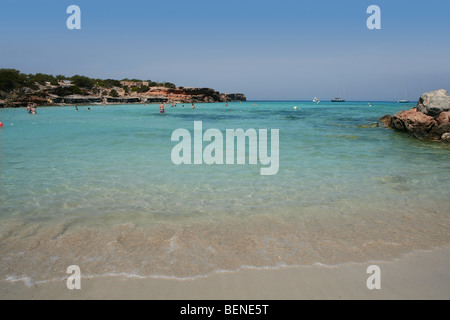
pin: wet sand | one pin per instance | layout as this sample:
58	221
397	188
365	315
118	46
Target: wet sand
417	275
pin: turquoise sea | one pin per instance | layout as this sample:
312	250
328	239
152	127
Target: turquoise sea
98	189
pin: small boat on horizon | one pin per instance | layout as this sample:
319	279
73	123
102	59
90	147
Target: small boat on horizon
339	99
406	94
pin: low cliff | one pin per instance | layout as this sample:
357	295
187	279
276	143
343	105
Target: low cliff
17	90
193	95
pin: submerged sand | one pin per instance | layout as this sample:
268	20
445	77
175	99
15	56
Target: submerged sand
417	275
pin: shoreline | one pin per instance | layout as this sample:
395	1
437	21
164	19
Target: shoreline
421	274
202	102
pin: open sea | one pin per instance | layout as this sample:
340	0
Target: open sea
98	189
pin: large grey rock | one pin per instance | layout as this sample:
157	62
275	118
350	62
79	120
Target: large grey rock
434	102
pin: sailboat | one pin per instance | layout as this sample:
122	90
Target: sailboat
339	99
406	94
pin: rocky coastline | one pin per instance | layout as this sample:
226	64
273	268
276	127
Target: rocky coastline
67	92
429	120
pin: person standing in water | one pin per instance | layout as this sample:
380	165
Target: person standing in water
161	108
193	107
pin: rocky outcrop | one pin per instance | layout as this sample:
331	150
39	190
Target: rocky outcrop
76	99
194	95
123	100
61	95
446	137
233	97
430	119
434	102
414	122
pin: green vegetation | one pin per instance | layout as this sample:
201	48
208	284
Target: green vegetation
143	89
113	93
61	77
83	82
43	78
108	83
76	90
169	85
161	84
12	80
131	80
140	89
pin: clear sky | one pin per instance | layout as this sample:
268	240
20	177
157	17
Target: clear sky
266	49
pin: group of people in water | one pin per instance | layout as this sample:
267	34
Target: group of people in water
173	105
76	109
31	108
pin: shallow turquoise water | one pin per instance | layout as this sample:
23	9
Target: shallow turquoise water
66	174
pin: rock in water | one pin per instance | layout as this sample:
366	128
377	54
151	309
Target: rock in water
434	102
446	137
372	125
414	122
430	119
443	118
386	121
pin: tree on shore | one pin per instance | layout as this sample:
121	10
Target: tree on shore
11	79
83	82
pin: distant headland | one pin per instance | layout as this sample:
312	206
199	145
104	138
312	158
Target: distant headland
18	90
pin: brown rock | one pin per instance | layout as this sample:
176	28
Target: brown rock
386	121
444	117
414	122
437	132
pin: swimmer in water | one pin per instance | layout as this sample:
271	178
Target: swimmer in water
161	108
193	107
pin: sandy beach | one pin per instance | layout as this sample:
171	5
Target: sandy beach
231	152
418	275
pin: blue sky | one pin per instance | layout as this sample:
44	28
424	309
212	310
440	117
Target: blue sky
265	49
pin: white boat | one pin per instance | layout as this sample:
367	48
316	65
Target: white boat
339	99
406	94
